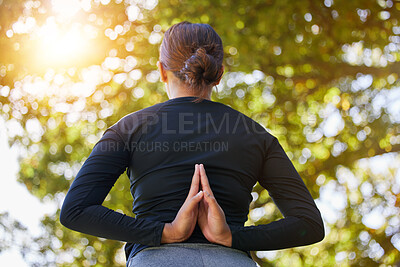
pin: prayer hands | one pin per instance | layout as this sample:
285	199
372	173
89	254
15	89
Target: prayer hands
211	217
202	207
183	225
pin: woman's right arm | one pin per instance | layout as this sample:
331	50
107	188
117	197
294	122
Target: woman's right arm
302	223
82	209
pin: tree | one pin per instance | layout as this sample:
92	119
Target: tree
319	75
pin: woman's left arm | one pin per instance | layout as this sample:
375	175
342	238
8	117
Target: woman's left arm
82	209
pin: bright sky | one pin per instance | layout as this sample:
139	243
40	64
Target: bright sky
15	198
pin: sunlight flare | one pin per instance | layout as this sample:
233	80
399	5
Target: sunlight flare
58	47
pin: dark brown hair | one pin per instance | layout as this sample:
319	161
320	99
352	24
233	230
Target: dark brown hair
194	53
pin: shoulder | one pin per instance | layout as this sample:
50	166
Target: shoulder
253	125
132	122
258	131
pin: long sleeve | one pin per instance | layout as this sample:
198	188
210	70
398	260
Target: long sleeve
302	223
82	209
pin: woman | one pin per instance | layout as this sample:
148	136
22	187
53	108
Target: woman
185	217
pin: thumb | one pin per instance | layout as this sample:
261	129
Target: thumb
195	200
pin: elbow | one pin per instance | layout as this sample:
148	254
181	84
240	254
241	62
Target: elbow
64	218
319	234
321	231
318	231
66	215
313	231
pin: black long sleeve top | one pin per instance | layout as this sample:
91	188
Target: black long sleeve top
158	147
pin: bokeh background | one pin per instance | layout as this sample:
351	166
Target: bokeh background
320	75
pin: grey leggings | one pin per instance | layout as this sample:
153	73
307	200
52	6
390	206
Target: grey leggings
190	255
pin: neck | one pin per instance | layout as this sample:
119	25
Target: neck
184	94
182	91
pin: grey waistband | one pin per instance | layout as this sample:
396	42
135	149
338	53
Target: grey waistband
191	255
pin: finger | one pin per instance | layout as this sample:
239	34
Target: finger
204	180
194	187
192	203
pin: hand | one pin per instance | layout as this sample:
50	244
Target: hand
211	217
183	225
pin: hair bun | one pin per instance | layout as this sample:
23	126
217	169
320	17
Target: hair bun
200	69
194	53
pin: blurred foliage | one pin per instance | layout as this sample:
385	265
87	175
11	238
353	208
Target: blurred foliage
8	226
35	250
322	76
